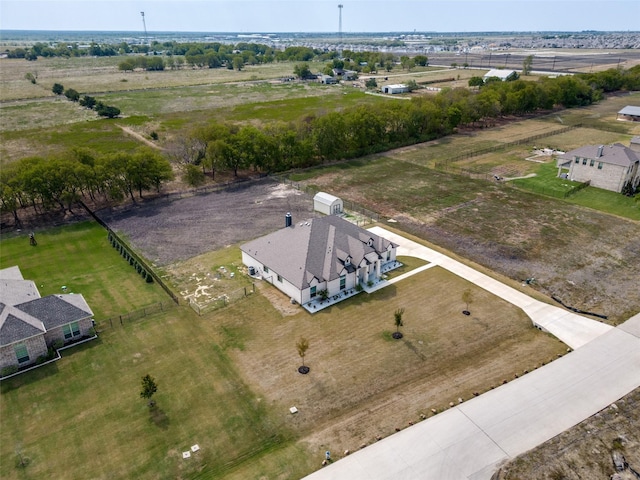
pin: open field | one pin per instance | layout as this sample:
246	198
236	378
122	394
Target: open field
519	234
227	379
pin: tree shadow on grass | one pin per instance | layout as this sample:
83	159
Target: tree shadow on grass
158	417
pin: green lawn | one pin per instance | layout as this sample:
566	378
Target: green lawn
606	201
546	181
80	257
82	417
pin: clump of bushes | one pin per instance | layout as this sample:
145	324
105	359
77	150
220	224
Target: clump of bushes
128	257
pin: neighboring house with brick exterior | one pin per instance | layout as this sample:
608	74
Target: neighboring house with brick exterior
610	167
322	254
30	324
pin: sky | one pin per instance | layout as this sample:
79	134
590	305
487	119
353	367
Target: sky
321	15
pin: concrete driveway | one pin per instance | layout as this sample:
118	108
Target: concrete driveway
470	440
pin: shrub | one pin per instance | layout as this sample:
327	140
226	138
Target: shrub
149	279
57	88
9	370
154	136
72	94
58	344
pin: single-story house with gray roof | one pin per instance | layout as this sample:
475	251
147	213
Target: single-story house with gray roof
322	254
30	324
610	167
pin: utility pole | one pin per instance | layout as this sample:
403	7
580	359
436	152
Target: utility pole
340	22
146	39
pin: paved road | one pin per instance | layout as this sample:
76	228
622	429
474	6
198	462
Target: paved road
470	440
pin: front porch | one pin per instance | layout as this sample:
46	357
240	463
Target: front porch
318	304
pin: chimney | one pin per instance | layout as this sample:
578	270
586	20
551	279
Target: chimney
287	220
600	149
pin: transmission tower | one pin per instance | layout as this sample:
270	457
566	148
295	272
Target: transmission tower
146	40
340	22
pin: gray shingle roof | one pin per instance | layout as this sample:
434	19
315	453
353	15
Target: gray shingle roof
616	154
16	325
316	248
54	310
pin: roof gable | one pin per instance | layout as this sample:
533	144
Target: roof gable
56	310
16	325
317	249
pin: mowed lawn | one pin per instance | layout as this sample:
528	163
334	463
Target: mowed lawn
81	258
226	380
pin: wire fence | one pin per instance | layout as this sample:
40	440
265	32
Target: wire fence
121	320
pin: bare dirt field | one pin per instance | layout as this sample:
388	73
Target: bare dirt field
173	229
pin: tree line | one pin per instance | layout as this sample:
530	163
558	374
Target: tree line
46	184
277	146
357	131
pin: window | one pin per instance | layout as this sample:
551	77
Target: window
600	165
577	159
313	292
584	161
343	282
279	278
266	269
71	330
592	162
22	354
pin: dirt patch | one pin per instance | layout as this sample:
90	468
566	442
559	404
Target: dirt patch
172	229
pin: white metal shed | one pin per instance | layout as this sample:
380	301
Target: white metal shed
328	204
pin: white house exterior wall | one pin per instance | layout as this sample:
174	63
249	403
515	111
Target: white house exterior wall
610	177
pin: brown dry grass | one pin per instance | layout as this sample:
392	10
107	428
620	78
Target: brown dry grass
102	75
363	384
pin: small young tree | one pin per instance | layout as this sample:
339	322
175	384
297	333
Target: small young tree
303	346
397	318
467	298
149	387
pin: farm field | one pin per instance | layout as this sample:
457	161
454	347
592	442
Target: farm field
227	379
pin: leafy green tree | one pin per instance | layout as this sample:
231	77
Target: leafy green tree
87	101
57	88
371	83
106	110
72	94
412	85
301	70
193	176
32	77
421	60
238	62
397	320
476	81
302	346
526	65
149	388
127	65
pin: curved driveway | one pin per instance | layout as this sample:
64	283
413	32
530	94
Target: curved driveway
470	440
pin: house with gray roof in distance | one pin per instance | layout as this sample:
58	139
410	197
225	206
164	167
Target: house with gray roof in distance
319	258
629	113
31	324
611	167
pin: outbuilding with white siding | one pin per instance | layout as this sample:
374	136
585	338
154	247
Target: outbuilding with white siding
328	204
